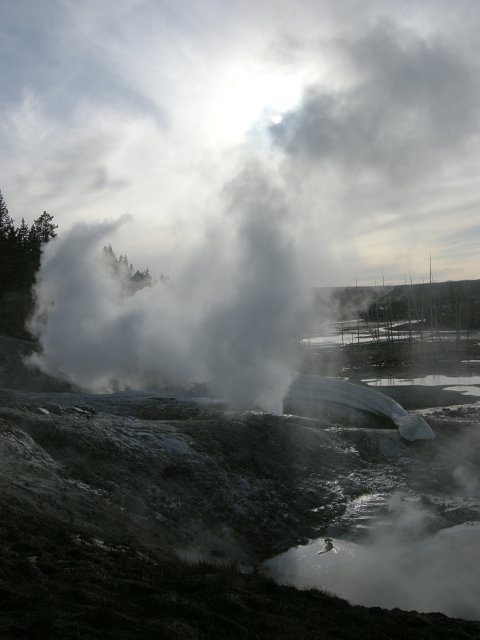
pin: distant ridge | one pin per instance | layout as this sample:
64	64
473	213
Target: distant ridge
453	303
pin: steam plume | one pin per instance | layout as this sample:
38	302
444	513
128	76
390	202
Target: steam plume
229	317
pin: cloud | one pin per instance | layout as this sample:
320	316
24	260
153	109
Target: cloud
71	162
411	103
136	108
382	154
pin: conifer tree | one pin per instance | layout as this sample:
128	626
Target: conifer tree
6	222
22	233
43	228
20	248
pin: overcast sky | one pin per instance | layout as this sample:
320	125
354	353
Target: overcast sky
364	114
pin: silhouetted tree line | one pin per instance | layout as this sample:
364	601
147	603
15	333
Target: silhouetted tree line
20	254
438	305
132	279
20	248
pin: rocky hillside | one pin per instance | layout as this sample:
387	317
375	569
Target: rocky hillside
139	515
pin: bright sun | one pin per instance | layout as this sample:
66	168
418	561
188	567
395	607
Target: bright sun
247	97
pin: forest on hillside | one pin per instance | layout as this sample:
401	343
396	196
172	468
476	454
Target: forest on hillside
20	248
20	256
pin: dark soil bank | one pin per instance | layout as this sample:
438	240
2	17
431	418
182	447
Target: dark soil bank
100	497
58	584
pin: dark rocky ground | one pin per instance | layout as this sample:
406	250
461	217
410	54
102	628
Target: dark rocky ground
142	516
57	584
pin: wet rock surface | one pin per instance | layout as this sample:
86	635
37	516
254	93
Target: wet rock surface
101	496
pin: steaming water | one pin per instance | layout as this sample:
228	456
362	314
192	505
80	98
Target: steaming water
413	546
434	380
438	572
465	390
358	331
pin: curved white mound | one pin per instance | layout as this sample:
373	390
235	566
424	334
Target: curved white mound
309	394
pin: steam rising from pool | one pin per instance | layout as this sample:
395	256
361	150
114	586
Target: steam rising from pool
400	565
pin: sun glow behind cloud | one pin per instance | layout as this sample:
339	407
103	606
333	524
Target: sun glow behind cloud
243	96
151	108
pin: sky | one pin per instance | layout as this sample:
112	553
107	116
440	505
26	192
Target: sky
360	115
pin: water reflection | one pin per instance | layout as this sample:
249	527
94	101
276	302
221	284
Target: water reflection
436	572
434	380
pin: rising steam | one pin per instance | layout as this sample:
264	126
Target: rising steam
229	316
401	564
